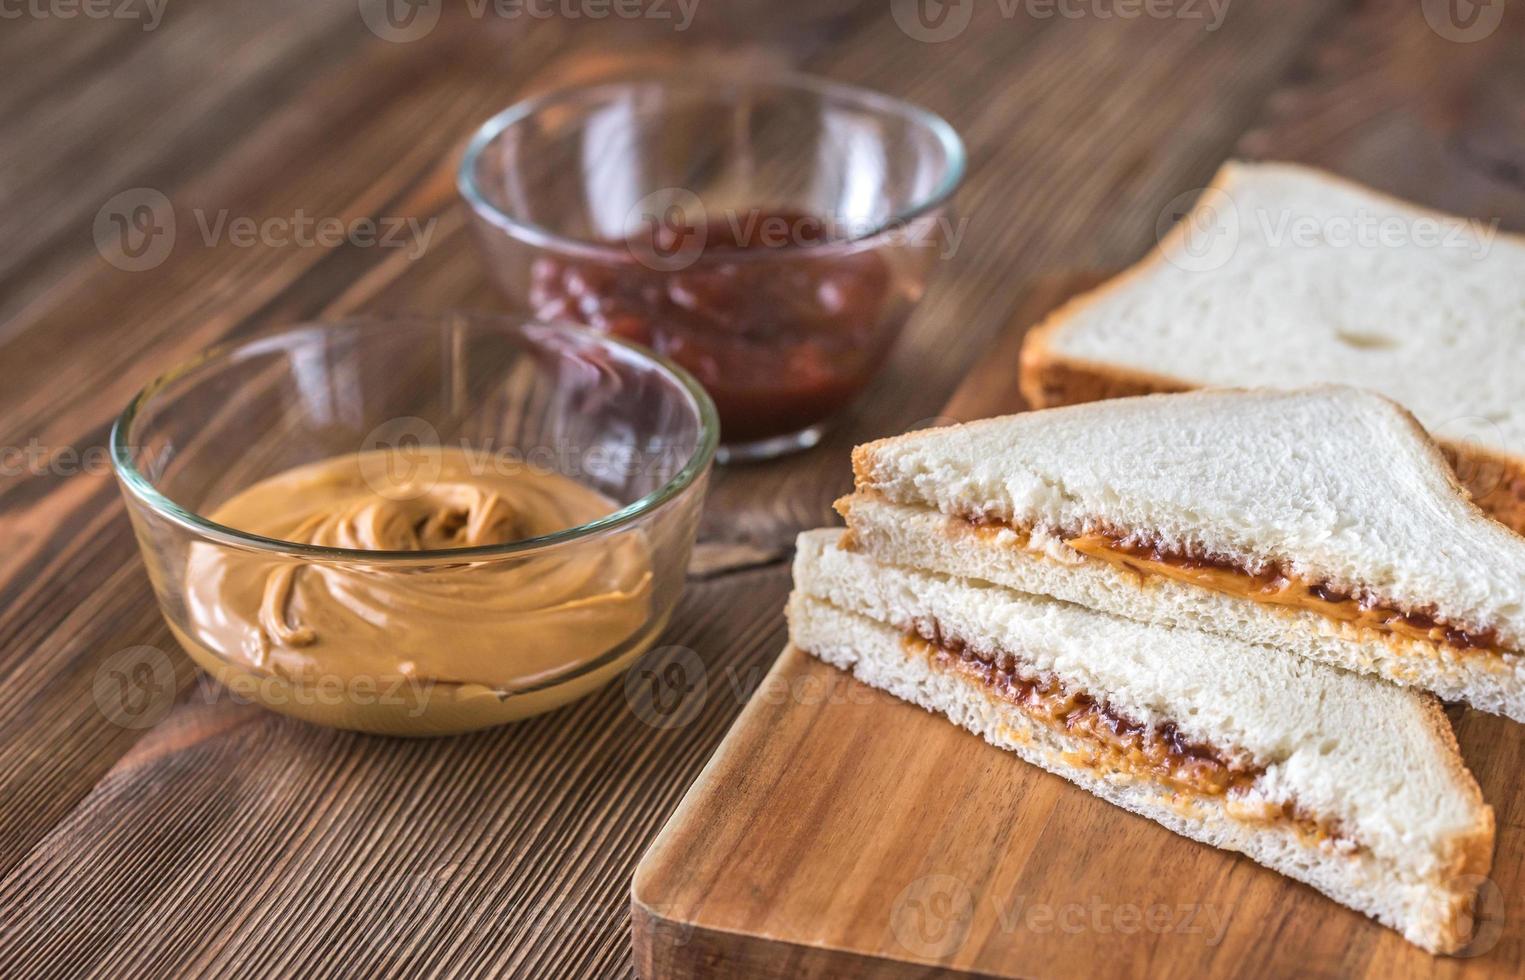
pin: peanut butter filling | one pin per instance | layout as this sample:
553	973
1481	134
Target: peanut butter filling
1113	742
1274	585
1278	586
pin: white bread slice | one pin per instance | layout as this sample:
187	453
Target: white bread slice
1257	477
1377	760
1284	275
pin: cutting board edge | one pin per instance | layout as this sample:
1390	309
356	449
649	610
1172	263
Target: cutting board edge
676	947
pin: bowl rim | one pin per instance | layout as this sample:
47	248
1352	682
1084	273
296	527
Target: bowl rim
138	485
536	235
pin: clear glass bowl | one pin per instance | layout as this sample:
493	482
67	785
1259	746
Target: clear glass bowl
771	235
418	641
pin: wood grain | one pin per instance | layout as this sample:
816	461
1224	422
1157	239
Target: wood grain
222	840
839	832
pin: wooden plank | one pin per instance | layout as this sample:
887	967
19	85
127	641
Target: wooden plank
1394	102
75	135
839	832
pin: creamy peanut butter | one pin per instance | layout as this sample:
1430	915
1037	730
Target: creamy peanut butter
1271	586
1276	586
1107	741
415	647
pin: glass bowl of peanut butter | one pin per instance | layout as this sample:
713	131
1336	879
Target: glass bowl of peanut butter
417	525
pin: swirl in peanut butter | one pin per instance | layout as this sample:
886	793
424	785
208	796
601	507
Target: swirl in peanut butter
503	623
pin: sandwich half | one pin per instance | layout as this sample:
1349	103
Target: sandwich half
1285	275
1347	784
1322	521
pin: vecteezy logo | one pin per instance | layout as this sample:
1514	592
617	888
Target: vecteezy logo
666	230
401	458
1482	917
932	422
135	230
398	905
932	21
400	21
931	916
1463	21
1199	232
1465	441
135	688
667	687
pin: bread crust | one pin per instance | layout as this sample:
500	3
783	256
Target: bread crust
1049	380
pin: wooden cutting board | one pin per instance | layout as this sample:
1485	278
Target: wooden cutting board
838	832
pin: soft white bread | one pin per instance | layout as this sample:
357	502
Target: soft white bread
1259	478
1284	275
1378	761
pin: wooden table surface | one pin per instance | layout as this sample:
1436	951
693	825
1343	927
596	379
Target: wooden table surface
207	836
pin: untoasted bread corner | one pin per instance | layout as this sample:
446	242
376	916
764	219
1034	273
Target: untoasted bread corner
1493	481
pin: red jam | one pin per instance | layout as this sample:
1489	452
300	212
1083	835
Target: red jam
780	341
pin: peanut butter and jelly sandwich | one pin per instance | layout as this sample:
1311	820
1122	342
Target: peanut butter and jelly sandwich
1335	779
1322	521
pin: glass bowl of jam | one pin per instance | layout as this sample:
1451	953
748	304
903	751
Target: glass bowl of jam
771	235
